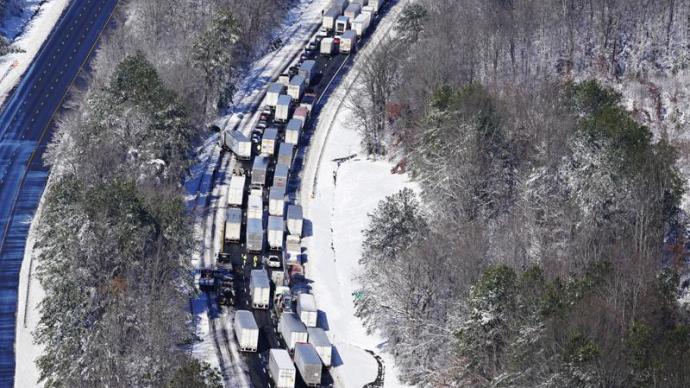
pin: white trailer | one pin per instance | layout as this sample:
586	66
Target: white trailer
259	172
255	235
361	23
281	369
233	224
292	131
294	220
269	141
369	10
274	91
260	289
348	41
283	108
308	70
285	154
308	364
255	206
342	23
276	226
292	330
294	247
376	5
353	10
239	144
280	176
319	340
236	190
327	46
276	201
328	19
306	309
246	331
301	114
296	87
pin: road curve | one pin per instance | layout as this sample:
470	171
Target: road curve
25	129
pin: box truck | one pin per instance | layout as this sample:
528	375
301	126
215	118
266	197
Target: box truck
233	224
269	141
306	309
292	131
238	144
259	172
308	364
296	87
255	235
328	19
348	42
327	46
361	23
280	177
294	220
276	201
292	330
276	226
246	331
281	369
236	190
319	340
285	154
260	289
308	70
283	108
274	91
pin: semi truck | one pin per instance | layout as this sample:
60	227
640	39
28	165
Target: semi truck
276	201
255	205
308	70
341	25
352	10
281	369
296	87
292	131
246	331
306	309
236	190
319	340
348	42
361	23
283	108
259	172
292	330
233	224
294	220
329	16
280	176
260	289
274	91
308	364
276	227
340	5
285	154
238	144
269	141
293	245
255	235
301	114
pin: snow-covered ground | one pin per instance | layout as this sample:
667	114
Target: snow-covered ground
343	195
13	65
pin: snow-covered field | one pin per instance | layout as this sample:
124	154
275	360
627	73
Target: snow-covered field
13	65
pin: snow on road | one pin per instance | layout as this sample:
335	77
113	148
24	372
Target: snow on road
335	216
13	65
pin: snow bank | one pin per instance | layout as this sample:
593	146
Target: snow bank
13	65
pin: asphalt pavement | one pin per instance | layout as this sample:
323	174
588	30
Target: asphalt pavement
26	124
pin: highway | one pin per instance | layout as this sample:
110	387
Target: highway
26	124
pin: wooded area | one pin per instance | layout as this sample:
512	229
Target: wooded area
540	250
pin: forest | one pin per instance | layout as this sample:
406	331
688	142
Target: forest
115	233
547	243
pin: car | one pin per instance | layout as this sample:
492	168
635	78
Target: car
292	71
322	33
214	128
256	138
313	46
336	41
206	280
265	116
273	261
